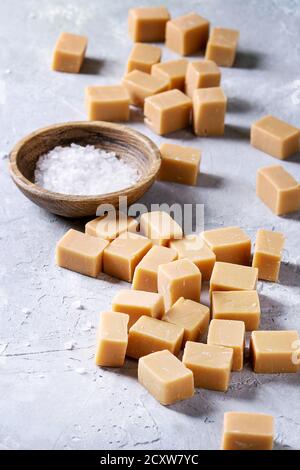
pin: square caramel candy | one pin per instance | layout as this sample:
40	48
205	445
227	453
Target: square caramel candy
112	339
230	244
107	103
165	377
187	34
209	109
123	254
278	189
160	227
174	71
110	226
237	305
275	137
137	303
149	335
229	276
201	74
275	352
143	57
168	112
148	24
69	53
196	250
140	85
80	253
190	315
211	365
177	279
247	431
230	334
222	46
145	274
179	164
267	254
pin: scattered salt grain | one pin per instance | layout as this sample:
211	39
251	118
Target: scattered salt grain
82	170
26	311
87	327
69	345
78	305
80	371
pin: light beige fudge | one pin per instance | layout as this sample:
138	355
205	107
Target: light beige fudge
237	305
111	225
267	254
275	137
123	254
148	24
149	335
201	74
222	46
179	164
211	365
137	303
195	249
107	103
112	339
230	334
165	377
230	244
192	316
160	227
173	70
247	431
229	276
187	34
274	352
209	109
69	53
80	253
142	57
140	85
278	189
145	274
168	112
177	279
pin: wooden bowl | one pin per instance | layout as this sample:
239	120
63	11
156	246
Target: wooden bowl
127	143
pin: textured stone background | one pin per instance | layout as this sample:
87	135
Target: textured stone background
52	395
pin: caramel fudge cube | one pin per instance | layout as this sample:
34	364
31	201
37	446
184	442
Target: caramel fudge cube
159	227
237	305
80	253
167	112
165	377
174	71
177	279
124	253
247	431
222	46
209	108
145	274
194	249
228	276
110	226
140	85
107	103
187	34
179	164
148	24
230	244
137	303
69	53
190	315
112	339
201	74
210	364
275	137
230	334
278	189
143	57
267	254
275	352
149	335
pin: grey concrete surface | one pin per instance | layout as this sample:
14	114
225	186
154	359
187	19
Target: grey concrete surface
51	394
